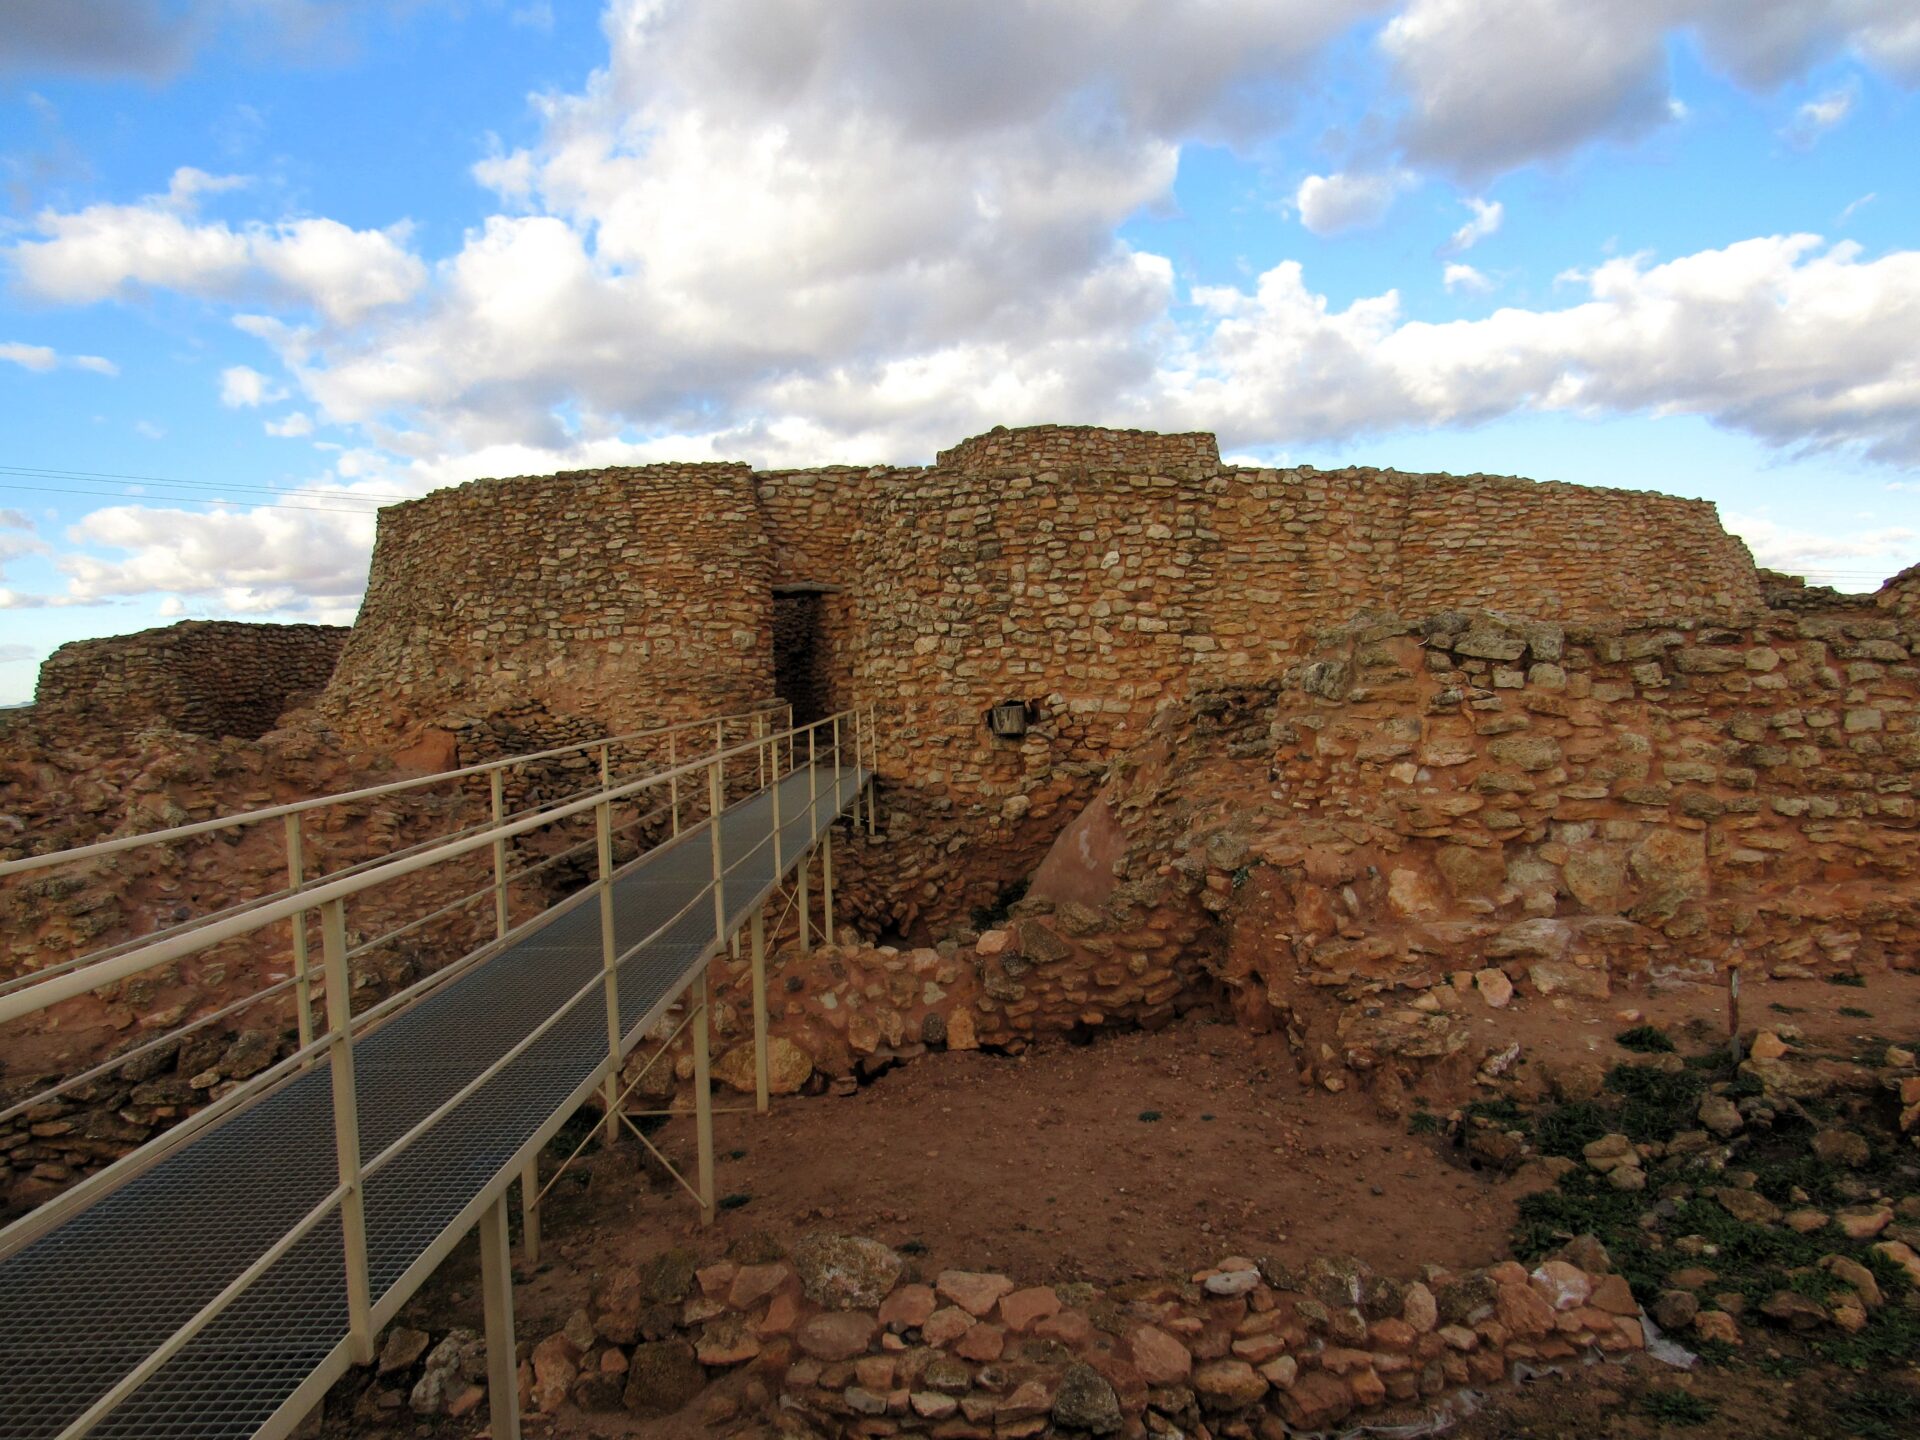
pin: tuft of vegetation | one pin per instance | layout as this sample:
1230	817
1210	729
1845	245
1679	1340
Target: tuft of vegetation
734	1201
1149	1115
1655	1103
1646	1039
1567	1129
1855	982
1424	1122
1854	1012
1678	1407
1876	1410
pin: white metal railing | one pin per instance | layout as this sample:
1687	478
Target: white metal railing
775	754
756	720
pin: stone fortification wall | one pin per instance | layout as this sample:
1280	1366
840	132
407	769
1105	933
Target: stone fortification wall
1093	574
1567	551
631	596
204	677
1100	590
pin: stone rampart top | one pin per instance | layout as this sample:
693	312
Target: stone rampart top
1037	449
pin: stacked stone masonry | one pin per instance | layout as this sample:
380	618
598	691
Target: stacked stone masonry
203	677
1093	574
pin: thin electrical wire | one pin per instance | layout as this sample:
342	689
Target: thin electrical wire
185	499
52	473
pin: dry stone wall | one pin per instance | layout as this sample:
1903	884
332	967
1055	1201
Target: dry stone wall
634	597
203	677
1094	575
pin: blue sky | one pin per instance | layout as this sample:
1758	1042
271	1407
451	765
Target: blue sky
266	264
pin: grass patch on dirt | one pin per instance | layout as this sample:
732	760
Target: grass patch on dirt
1645	1039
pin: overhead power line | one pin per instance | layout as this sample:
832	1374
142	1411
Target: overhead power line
187	499
49	473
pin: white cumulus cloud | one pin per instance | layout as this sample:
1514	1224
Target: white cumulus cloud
106	251
1334	204
1487	215
243	387
42	358
1456	276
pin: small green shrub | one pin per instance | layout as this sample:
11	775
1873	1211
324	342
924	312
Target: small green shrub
1678	1407
1424	1122
1646	1039
1854	1012
1149	1115
1855	982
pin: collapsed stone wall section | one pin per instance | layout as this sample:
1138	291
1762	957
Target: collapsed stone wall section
211	678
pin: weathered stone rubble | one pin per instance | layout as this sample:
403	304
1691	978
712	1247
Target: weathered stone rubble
846	1335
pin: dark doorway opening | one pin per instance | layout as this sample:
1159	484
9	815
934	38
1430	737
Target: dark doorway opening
800	653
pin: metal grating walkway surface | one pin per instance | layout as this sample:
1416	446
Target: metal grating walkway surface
84	1304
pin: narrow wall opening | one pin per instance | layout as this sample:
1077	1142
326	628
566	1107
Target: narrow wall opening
800	651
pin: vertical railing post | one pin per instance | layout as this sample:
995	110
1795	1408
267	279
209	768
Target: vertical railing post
703	1103
873	761
609	971
499	789
826	885
813	784
779	858
801	904
673	779
496	1292
530	1209
606	767
346	1128
760	1081
760	750
717	803
302	966
720	755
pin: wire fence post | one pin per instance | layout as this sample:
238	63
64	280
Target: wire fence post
720	755
499	789
610	976
346	1128
302	965
760	750
760	1081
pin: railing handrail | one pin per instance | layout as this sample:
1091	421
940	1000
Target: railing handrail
343	797
72	983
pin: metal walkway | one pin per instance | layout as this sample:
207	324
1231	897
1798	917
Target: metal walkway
83	1305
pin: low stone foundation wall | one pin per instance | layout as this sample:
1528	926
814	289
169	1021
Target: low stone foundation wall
848	1335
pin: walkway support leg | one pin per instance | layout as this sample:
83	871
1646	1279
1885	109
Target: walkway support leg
346	1129
496	1288
610	976
760	1082
703	1104
826	886
530	1211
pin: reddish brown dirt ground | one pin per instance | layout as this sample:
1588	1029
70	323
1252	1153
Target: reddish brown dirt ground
1043	1166
1040	1166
